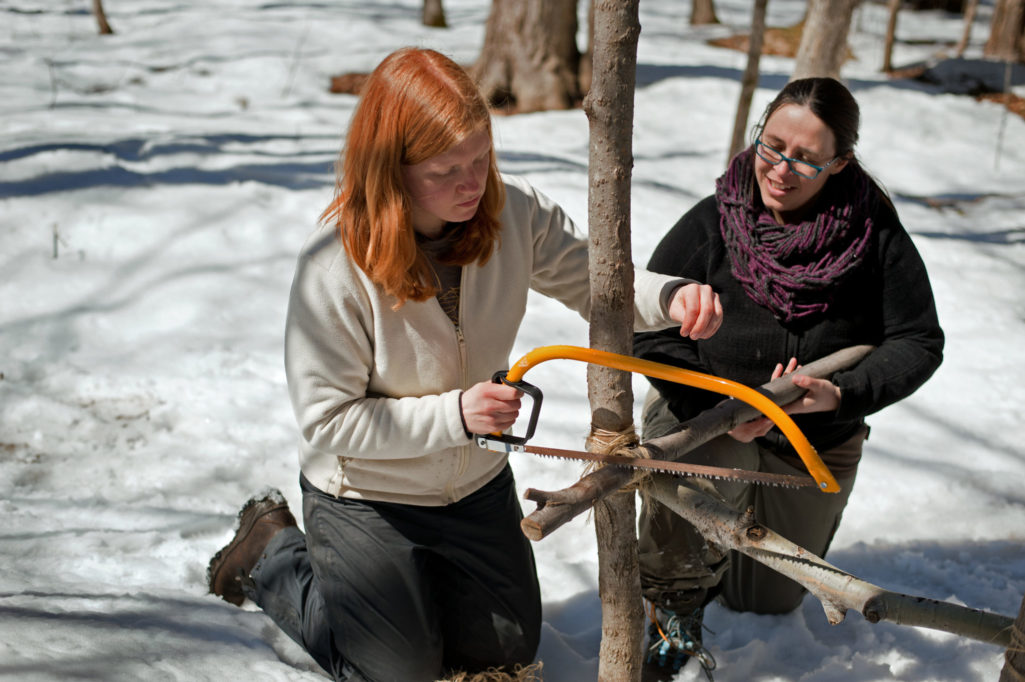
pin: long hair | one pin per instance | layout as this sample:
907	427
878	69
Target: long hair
415	105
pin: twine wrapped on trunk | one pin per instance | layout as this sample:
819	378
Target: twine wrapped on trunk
602	442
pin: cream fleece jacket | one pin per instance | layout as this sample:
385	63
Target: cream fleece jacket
376	391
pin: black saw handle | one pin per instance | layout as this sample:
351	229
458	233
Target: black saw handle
535	393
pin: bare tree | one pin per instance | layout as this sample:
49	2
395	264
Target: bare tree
824	40
586	56
970	8
1007	31
749	80
101	18
610	112
1014	659
434	14
891	33
530	59
703	12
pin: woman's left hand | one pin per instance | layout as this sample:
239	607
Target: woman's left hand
821	395
698	310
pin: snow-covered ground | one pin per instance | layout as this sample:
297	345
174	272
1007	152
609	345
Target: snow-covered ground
155	186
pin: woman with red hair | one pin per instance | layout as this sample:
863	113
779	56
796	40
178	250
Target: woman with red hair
405	302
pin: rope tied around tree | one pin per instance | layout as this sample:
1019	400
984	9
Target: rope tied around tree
622	443
1011	673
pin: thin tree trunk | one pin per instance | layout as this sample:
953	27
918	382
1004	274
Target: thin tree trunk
586	56
434	14
749	81
891	33
1014	658
609	108
101	18
703	12
823	46
971	7
1006	39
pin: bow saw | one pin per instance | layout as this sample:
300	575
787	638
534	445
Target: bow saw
507	443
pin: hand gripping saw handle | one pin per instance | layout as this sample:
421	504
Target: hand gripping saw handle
514	377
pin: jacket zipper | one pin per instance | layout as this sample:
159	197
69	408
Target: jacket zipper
464	451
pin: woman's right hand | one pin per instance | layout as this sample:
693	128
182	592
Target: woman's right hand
489	407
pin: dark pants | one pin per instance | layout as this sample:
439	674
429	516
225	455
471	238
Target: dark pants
678	567
390	592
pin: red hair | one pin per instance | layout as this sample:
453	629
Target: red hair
415	105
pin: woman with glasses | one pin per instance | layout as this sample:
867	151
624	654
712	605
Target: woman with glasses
808	256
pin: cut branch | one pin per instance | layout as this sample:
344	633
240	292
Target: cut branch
556	508
837	590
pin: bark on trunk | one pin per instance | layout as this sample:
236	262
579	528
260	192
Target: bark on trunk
1014	658
703	12
434	14
586	70
749	80
1007	32
891	34
609	108
101	18
824	39
971	7
530	59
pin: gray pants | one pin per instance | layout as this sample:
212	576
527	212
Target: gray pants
679	569
400	593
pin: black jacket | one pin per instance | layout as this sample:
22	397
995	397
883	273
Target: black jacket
887	303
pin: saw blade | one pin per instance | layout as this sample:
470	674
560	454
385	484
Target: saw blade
658	465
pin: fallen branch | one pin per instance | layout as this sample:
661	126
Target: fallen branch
838	591
556	508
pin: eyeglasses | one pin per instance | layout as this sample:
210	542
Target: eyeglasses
803	168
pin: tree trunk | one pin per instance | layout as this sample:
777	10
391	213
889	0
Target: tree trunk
1014	658
530	61
891	34
702	12
824	39
610	111
1006	37
434	14
749	80
587	55
971	7
101	18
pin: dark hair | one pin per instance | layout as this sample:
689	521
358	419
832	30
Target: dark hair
828	99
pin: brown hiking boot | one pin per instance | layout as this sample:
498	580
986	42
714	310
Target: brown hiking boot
260	519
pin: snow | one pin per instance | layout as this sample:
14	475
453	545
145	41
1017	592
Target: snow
155	187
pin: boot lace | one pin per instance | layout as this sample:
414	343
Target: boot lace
679	638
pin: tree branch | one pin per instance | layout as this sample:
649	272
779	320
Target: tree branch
837	590
556	508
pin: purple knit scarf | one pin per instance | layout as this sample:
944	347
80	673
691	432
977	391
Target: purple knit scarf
793	270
